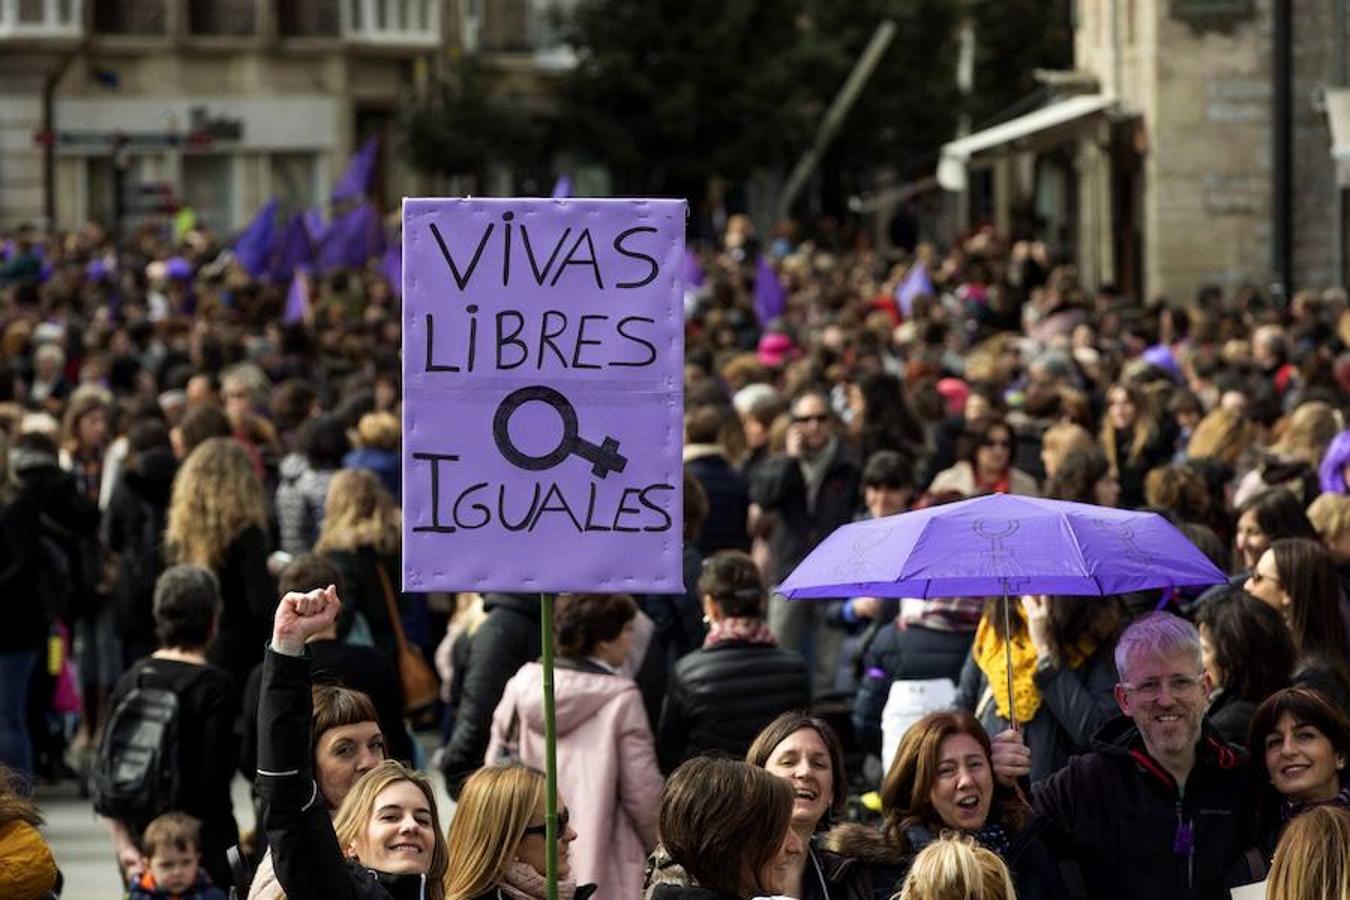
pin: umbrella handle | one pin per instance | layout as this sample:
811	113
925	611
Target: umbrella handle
1007	656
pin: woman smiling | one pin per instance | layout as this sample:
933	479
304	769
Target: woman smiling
941	780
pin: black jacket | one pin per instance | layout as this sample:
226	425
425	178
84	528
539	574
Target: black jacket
134	529
1121	816
363	669
844	877
1034	869
902	654
305	852
720	697
363	592
1075	704
728	503
780	488
1231	716
248	597
507	639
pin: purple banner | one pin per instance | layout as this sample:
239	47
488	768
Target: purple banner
542	370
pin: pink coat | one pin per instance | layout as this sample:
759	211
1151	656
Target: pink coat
607	772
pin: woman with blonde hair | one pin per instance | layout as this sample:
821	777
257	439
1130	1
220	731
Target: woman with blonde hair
956	868
1059	441
375	446
218	519
1224	435
361	536
1312	861
386	841
498	839
1294	458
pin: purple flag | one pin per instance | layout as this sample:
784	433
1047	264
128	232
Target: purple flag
562	188
393	269
255	243
355	179
542	395
352	239
693	270
915	283
296	249
297	299
770	298
314	224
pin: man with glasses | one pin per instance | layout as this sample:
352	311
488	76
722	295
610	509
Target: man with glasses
1161	808
799	498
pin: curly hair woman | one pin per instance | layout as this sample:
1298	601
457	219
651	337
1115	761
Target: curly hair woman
218	519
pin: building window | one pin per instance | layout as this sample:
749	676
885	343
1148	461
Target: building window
308	18
131	17
232	18
295	181
208	187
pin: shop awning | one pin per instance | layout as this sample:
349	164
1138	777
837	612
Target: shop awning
957	154
1338	117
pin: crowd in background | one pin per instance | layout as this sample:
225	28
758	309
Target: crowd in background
182	448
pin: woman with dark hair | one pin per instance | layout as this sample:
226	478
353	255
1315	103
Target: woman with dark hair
1134	440
805	751
186	610
605	749
1267	517
1063	673
1297	577
1304	743
986	464
882	419
303	492
728	825
1247	654
942	780
1085	476
721	695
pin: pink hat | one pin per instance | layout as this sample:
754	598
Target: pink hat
954	391
775	349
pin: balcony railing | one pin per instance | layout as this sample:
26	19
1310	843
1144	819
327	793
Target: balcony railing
41	18
395	22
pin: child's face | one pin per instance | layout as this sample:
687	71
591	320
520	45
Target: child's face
174	870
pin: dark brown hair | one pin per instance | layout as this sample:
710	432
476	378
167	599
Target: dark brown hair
336	706
1251	645
788	724
1077	476
1309	576
1178	490
581	621
722	818
15	803
907	789
979	431
695	506
733	580
308	572
1072	619
1308	707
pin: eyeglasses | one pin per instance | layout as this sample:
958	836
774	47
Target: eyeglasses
821	419
1177	685
542	830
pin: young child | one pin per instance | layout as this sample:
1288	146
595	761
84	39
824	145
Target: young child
172	846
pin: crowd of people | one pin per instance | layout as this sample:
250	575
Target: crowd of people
199	499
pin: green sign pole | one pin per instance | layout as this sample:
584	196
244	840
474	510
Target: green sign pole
550	746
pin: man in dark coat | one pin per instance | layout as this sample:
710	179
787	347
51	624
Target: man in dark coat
506	640
801	497
1161	807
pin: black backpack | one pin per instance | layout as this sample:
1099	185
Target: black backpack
135	776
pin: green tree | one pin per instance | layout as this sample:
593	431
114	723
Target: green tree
1013	38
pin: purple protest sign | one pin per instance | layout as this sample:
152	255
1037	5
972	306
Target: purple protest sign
542	371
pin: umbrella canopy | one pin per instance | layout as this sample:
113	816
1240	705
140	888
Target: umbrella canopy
1002	544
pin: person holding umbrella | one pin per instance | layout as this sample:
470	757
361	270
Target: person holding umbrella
1162	806
1063	675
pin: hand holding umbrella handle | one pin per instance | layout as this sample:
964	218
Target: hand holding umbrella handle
1011	758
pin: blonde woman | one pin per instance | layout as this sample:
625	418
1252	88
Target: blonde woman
1224	435
386	841
375	447
498	840
1059	441
218	519
361	536
956	868
1312	861
1133	440
1293	459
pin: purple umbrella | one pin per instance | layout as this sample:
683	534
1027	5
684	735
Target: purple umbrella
1002	545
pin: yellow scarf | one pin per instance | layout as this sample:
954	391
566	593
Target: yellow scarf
989	656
